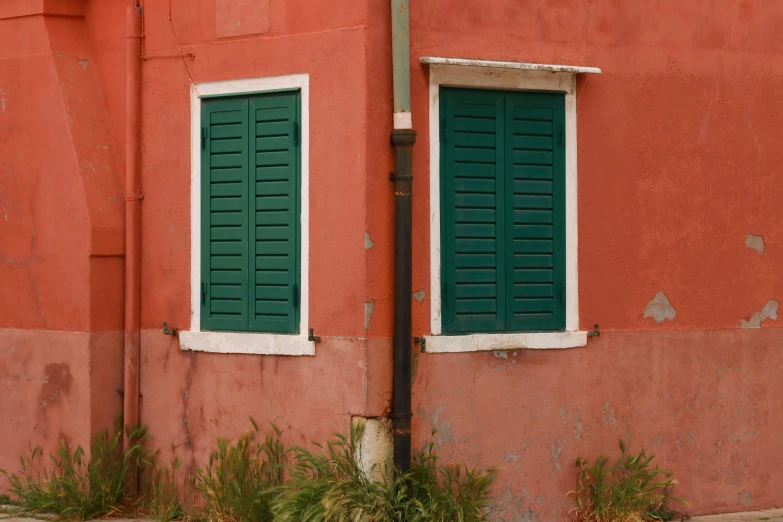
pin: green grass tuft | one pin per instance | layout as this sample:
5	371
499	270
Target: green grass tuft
331	487
241	479
631	489
76	487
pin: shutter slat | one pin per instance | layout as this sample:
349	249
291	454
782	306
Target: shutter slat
224	215
275	222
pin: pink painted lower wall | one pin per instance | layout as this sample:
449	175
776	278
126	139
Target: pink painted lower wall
191	398
56	386
706	403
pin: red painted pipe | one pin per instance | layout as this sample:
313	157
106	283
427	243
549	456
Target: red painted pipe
132	218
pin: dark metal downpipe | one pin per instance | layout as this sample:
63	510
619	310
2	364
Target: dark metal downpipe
402	140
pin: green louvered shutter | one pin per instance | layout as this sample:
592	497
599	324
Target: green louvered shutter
535	225
275	230
472	218
224	214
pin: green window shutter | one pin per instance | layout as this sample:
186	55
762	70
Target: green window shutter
274	221
473	258
224	214
535	220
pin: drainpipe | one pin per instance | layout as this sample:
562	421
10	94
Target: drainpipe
132	221
402	138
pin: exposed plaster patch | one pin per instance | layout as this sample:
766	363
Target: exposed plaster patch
369	308
83	63
564	415
659	308
555	453
442	429
419	295
511	457
5	212
500	354
607	415
3	99
578	428
769	311
745	497
756	243
374	447
368	242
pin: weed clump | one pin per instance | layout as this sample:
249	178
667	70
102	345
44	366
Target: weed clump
241	480
76	487
331	487
630	490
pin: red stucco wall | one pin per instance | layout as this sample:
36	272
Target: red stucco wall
676	161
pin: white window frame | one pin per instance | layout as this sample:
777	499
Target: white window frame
247	342
453	72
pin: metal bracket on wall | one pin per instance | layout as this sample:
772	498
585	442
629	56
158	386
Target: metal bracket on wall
594	333
395	177
169	331
423	342
313	338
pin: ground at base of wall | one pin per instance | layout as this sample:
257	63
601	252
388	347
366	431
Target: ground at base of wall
772	515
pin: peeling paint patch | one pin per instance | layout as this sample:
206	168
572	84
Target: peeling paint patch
500	354
769	311
511	457
369	308
756	243
608	417
442	429
3	99
564	415
745	497
578	428
555	453
659	308
368	242
419	295
83	63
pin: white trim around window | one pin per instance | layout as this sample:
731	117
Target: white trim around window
507	76
247	342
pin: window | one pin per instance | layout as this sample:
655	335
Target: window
250	213
249	224
502	211
503	205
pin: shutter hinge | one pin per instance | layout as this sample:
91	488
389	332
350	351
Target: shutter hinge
203	138
295	295
561	293
443	131
296	133
203	293
561	132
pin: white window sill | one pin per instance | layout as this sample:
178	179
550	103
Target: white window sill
494	342
250	343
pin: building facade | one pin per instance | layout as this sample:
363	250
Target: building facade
627	188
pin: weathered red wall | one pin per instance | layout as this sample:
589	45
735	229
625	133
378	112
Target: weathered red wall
61	233
677	160
192	398
676	165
